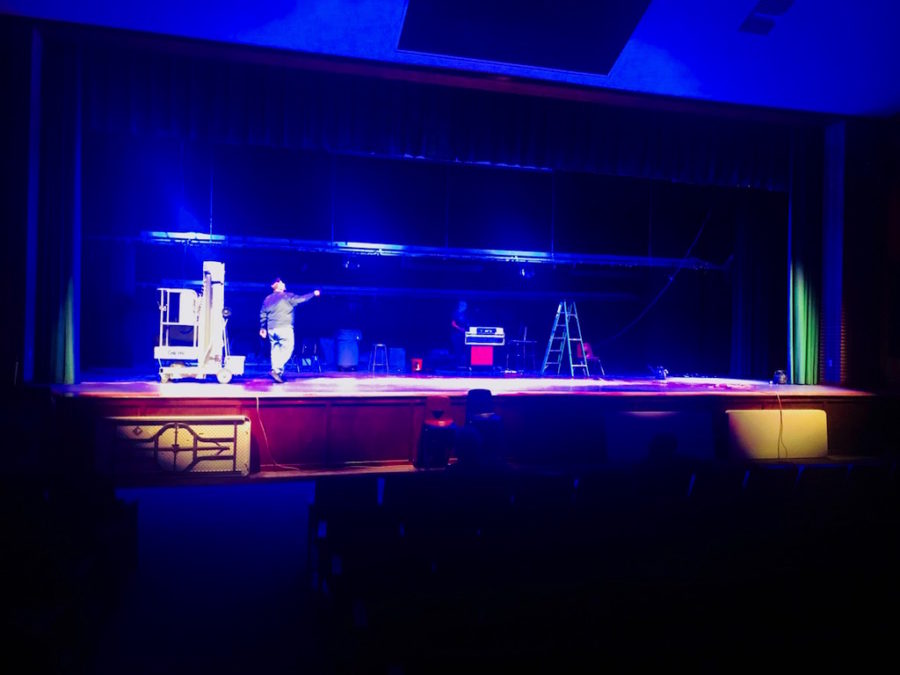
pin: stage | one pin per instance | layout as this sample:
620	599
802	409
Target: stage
352	421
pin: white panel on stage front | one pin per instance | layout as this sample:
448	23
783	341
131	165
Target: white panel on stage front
778	434
200	444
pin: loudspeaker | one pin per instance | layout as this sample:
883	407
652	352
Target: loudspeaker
435	446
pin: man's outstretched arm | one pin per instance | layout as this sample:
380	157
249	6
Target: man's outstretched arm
306	297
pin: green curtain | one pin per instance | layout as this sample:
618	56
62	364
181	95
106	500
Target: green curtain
804	328
63	339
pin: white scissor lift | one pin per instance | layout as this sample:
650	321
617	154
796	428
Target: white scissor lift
193	338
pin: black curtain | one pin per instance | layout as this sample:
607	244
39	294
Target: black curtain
189	97
871	307
759	288
15	53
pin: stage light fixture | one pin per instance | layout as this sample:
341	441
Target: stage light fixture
780	377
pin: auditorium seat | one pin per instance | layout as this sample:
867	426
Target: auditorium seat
438	436
482	443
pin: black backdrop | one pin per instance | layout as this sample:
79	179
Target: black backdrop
134	184
175	139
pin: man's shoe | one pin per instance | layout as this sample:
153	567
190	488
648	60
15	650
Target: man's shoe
275	376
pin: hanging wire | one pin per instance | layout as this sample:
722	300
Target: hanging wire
663	290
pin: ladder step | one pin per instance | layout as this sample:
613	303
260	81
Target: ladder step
566	327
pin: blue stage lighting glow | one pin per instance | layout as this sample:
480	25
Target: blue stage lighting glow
821	56
376	249
184	236
187	221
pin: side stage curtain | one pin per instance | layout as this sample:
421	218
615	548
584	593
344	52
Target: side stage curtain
58	289
805	318
806	264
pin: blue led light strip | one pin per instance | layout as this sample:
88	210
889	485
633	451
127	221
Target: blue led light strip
399	250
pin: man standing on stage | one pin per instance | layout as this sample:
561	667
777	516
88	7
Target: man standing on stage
276	320
459	323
